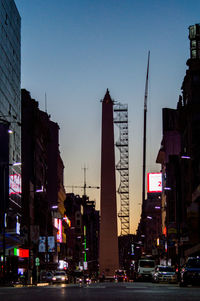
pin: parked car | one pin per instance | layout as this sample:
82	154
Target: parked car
120	276
164	274
60	277
190	272
46	276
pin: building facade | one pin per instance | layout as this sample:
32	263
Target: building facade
10	119
179	158
82	236
43	193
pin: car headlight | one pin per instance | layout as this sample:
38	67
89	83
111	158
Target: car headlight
54	278
63	278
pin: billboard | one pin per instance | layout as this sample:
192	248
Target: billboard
51	244
42	244
15	184
154	182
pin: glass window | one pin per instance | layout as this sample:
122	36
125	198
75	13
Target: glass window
194	54
192	31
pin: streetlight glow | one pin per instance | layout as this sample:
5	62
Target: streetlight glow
16	164
186	157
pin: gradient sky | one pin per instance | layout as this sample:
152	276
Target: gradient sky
73	50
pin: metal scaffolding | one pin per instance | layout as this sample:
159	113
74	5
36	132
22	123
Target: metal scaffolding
121	120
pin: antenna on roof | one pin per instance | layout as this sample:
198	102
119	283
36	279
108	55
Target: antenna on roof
45	102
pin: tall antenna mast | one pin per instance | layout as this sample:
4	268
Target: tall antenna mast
144	135
45	102
84	185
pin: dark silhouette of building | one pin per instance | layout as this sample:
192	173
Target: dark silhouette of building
43	192
91	223
149	231
179	156
82	235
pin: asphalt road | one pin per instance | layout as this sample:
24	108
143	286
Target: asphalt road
102	291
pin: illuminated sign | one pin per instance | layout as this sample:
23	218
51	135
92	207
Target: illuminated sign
58	226
154	182
67	220
15	186
21	252
42	244
62	265
165	231
51	244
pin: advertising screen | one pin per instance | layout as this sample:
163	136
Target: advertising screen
154	182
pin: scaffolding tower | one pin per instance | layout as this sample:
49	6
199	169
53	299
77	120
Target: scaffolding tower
121	120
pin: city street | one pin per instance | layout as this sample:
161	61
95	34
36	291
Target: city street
102	291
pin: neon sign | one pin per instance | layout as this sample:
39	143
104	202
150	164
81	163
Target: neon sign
67	220
58	226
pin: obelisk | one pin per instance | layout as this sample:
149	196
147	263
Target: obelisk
108	248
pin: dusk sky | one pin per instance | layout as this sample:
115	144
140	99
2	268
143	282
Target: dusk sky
73	50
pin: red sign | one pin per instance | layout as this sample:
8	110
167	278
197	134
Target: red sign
23	252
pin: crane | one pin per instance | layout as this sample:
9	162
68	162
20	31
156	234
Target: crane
84	187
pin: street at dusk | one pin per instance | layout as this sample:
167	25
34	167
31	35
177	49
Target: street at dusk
99	150
103	292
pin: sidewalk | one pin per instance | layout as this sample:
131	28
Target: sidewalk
12	284
30	285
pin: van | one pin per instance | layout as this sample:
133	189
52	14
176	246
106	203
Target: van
145	269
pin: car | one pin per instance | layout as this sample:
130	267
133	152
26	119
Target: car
60	277
87	279
78	277
190	272
164	274
120	276
46	276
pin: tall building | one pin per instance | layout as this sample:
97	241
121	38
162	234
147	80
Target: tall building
179	156
10	74
108	248
43	192
10	117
